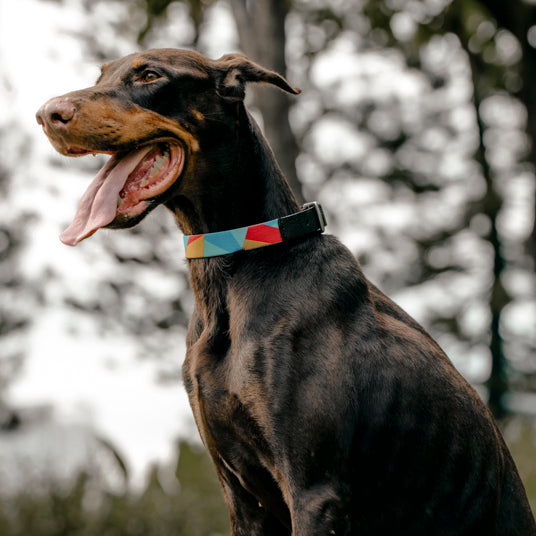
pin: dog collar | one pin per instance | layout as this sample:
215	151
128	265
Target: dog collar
310	220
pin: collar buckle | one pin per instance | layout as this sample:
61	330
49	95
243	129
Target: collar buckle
319	214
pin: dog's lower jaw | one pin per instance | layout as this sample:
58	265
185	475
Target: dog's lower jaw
125	188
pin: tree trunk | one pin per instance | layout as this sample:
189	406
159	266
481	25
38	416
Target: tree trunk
517	16
261	30
497	383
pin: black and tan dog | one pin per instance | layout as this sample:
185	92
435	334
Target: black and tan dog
325	408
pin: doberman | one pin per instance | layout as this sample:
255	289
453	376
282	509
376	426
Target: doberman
326	409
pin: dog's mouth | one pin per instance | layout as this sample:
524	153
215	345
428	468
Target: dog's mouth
123	188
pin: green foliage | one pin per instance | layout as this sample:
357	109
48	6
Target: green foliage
192	507
157	9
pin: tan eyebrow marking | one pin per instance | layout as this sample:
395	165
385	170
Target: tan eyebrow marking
138	63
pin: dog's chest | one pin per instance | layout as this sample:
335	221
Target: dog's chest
234	423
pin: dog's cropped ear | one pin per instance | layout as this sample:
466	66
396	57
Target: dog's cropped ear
234	71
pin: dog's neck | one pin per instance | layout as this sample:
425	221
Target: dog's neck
241	184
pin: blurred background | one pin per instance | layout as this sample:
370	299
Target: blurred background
415	131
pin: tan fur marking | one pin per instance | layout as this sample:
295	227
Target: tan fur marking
198	115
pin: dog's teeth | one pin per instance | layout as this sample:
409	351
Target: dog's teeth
119	200
158	164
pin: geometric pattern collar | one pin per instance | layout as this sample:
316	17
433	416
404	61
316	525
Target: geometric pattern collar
308	221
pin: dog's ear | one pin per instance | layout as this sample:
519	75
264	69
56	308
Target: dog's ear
234	71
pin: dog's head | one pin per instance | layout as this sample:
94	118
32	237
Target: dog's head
155	112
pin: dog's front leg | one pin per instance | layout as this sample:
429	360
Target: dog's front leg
248	516
320	511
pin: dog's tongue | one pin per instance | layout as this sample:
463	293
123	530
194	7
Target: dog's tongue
98	205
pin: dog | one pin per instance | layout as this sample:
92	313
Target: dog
326	409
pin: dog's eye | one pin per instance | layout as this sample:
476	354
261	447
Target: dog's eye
150	76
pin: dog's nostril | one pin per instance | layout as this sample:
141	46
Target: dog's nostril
56	117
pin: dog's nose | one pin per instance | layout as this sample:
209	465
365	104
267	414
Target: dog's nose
57	112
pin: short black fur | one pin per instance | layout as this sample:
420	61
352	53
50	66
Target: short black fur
325	408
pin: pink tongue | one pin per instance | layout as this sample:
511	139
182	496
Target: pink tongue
98	205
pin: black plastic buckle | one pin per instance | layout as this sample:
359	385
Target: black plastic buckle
319	214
